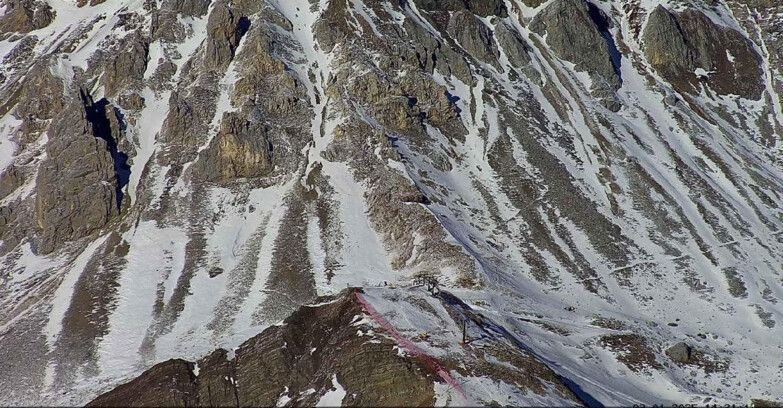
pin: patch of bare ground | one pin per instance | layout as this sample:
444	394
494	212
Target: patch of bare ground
633	350
607	323
707	362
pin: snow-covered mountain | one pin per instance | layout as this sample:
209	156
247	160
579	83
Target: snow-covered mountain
599	179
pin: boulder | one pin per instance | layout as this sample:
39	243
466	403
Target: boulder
680	353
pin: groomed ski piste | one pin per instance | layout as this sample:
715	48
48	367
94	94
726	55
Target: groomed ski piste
555	319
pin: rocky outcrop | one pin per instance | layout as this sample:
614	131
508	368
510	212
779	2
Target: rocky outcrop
765	403
78	189
263	73
40	100
23	16
239	150
483	8
10	180
187	122
171	383
314	348
224	30
513	45
5	219
188	8
131	101
576	32
21	53
125	66
82	3
533	3
165	24
689	49
474	36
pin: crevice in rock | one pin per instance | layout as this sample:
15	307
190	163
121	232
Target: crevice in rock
602	22
101	128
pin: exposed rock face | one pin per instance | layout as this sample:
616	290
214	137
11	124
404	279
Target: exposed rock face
533	3
186	123
22	52
188	8
171	383
41	98
573	30
483	8
82	3
79	184
224	30
5	219
10	180
762	403
165	24
126	65
313	348
515	47
679	45
131	101
473	36
23	16
239	150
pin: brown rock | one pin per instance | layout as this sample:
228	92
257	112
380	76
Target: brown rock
78	185
239	150
188	8
678	44
126	66
10	180
23	16
474	36
132	101
41	98
170	383
573	31
313	346
224	30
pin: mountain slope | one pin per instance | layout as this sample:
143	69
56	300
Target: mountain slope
331	354
601	178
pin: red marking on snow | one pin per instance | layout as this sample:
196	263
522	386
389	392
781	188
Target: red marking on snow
401	340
